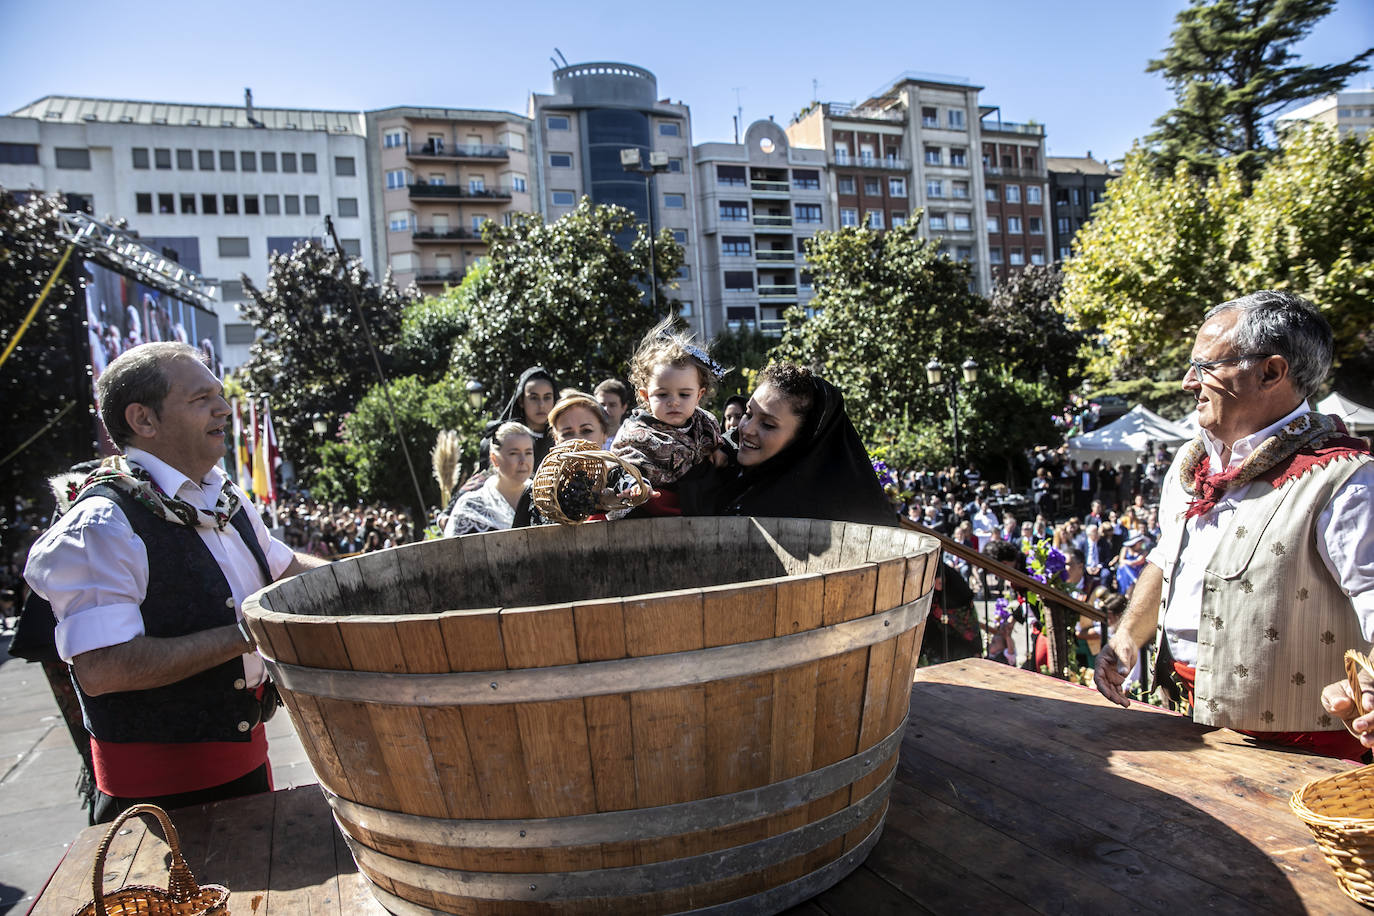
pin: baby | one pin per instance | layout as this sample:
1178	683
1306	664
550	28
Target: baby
669	434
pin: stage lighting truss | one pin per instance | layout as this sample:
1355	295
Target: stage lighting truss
121	252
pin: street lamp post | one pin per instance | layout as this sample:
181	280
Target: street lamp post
935	375
631	161
476	394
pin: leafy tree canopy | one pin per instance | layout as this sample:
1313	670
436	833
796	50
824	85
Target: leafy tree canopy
1037	343
1231	66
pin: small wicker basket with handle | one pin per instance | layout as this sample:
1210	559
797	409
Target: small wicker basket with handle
1339	809
182	896
575	455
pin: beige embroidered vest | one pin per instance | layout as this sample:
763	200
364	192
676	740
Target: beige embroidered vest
1275	625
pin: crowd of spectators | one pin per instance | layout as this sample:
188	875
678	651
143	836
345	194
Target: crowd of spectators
330	530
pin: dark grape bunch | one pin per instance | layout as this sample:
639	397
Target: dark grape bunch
577	495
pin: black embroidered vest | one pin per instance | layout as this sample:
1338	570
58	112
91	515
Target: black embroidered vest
187	593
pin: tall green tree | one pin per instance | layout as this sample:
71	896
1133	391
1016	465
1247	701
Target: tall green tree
1231	67
45	393
563	295
744	352
1038	345
312	355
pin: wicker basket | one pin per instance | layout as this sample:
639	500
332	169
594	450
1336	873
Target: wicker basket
182	897
1339	810
579	454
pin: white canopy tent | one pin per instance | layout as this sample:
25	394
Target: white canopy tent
1357	417
1126	438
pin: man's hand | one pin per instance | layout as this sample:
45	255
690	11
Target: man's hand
1114	662
1338	699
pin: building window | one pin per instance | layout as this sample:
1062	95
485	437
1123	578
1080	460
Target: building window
188	203
845	184
1094	196
288	162
1014	224
732	211
684	272
675	164
956	118
962	222
963	253
807	213
842	155
739	280
684	308
312	205
896	187
932	155
143	203
233	246
873	219
231	204
348	207
806	180
930	117
271	204
162	159
1035	225
995	255
345	165
291	204
935	188
248	161
209	204
560	160
186	160
1064	251
873	187
227	161
674	201
1013	193
400	221
849	216
352	247
939	221
1038	256
994	225
990	194
404	261
736	246
140	154
669	129
269	162
958	156
558	122
166	203
959	190
250	205
564	198
517	183
393	138
898	218
397	178
1015	257
238	335
731	176
1032	193
308	163
477	221
1061	225
69	158
205	159
1076	196
1061	197
680	236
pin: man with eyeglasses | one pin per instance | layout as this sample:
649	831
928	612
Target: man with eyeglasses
1264	573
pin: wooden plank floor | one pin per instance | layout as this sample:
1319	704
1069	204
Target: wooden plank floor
1016	793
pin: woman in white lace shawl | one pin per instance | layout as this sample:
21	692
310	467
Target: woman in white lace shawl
491	507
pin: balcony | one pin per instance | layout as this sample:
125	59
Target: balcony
764	220
452	191
860	112
484	152
429	276
431	235
1011	127
891	163
1006	172
777	291
776	257
770	187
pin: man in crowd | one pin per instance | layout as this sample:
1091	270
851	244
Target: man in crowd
1096	552
146	574
614	397
1265	566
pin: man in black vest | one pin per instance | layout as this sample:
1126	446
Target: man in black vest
146	572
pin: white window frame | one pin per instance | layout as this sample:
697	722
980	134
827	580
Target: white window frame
849	216
570	202
896	187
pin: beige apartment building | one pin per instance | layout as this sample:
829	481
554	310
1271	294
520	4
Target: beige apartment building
437	175
1349	112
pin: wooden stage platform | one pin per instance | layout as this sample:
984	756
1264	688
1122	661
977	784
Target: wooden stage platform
1016	793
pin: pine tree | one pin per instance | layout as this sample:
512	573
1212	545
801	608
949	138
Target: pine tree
1231	67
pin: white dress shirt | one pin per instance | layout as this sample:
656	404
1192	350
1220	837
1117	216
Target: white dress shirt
1345	540
93	569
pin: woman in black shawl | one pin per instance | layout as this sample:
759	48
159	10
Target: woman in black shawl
794	455
530	404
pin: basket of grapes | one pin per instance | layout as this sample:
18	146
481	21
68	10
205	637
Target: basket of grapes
567	487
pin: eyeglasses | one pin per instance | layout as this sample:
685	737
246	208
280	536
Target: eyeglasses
1198	366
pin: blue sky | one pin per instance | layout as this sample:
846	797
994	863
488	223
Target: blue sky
1076	66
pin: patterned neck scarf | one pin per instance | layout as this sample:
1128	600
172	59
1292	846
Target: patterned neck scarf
1207	488
118	472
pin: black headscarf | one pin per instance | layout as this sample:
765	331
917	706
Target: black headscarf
515	411
824	472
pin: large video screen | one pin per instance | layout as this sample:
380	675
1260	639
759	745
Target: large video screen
122	313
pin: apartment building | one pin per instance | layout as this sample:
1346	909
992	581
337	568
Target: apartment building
221	186
595	111
1077	184
1349	112
908	146
1016	194
437	175
758	202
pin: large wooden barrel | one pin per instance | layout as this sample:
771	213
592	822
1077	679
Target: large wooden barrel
636	717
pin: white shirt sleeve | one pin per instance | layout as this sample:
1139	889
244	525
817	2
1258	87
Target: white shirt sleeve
93	569
1345	541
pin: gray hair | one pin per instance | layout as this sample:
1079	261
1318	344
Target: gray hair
1273	322
138	376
